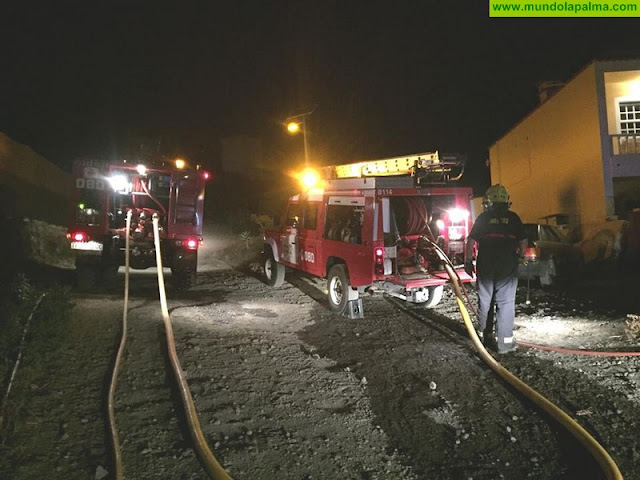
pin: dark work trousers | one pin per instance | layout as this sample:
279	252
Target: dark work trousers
503	293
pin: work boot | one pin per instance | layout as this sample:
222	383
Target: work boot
507	347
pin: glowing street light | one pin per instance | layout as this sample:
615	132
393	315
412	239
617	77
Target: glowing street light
297	123
293	127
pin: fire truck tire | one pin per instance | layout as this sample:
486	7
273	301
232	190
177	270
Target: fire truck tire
184	277
338	288
87	276
435	295
273	271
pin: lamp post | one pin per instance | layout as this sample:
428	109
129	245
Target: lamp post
294	125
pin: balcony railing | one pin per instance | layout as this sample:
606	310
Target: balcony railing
626	144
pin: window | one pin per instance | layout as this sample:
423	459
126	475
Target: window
551	234
310	216
294	214
186	196
344	223
629	117
88	208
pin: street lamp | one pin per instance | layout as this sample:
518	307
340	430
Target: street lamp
297	123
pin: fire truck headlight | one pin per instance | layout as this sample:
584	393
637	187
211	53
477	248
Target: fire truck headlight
119	183
458	215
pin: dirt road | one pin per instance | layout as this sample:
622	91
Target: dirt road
287	390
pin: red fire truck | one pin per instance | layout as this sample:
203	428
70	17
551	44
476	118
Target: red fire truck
103	195
373	227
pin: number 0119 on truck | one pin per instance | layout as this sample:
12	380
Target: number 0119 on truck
375	227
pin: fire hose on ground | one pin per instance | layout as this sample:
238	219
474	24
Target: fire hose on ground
214	470
603	458
16	365
568	351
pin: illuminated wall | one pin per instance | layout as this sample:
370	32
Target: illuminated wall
620	87
551	162
30	185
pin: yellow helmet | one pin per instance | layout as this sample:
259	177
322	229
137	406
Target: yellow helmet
496	194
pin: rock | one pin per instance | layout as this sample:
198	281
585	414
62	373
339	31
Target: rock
101	473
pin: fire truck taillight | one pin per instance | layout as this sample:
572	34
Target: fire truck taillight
458	215
456	233
531	253
457	224
379	261
189	243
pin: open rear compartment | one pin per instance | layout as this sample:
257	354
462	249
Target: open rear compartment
410	224
145	195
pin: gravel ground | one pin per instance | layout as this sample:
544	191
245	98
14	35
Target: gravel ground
285	389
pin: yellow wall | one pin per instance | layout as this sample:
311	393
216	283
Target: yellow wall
551	161
31	186
22	162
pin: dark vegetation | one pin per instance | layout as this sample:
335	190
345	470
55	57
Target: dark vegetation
232	199
22	284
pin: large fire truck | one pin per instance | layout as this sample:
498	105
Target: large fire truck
376	227
105	192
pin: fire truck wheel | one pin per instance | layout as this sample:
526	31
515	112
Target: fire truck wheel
184	277
86	276
273	271
338	288
435	295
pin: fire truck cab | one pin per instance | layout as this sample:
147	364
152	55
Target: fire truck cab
375	227
104	193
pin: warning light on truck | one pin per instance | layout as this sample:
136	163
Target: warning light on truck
309	178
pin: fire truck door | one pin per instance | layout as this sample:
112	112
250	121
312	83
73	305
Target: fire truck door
308	240
289	235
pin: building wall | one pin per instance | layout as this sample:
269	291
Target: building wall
551	161
30	185
620	86
621	154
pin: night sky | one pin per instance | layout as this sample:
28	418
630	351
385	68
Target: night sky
385	78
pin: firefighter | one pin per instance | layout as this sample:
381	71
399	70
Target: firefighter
501	242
